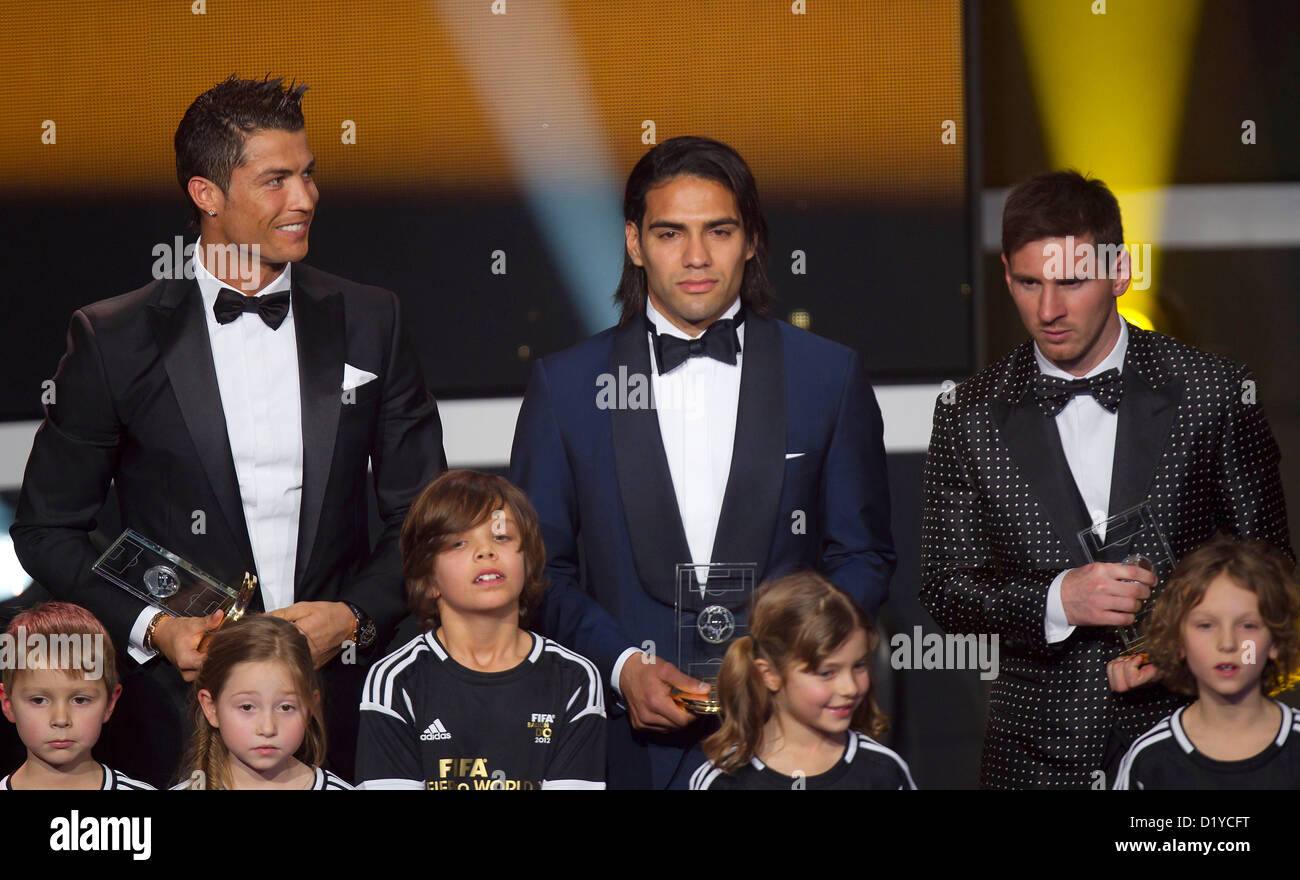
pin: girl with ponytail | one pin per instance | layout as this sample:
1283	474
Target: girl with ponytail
797	706
257	712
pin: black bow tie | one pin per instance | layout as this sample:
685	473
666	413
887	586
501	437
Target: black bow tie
273	308
720	342
1054	393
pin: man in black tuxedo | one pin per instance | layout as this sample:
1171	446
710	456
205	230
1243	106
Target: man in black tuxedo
236	412
1091	418
764	445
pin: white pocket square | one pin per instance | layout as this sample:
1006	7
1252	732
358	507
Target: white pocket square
790	455
354	378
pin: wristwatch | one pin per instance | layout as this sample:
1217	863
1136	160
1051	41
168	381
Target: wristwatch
365	633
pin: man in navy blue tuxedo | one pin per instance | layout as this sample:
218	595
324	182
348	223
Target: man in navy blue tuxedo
763	444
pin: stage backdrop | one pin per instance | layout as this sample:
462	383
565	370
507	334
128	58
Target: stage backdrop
472	156
474	161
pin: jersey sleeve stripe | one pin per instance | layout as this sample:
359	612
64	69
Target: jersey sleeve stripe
333	782
1290	721
703	783
367	706
1156	734
115	781
595	687
870	744
391	785
572	785
539	644
700	772
379	681
597	710
1161	731
126	783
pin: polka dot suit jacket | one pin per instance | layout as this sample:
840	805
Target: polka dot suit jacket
1001	519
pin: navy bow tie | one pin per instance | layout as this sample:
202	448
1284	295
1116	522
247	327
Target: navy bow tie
1054	393
720	342
273	308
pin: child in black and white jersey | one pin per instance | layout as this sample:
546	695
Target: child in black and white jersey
257	713
1225	630
477	701
59	688
797	708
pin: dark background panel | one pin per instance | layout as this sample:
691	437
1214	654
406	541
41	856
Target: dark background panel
887	282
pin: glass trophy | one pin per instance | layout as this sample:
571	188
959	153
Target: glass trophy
169	583
1131	537
711	613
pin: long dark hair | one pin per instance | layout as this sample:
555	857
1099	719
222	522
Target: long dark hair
711	160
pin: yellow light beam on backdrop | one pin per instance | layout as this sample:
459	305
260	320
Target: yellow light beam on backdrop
1111	89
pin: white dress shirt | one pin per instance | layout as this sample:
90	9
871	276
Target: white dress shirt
696	402
257	375
1087	432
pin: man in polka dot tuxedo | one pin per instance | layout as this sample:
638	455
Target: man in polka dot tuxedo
1024	456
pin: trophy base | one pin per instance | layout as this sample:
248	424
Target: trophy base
697	704
1138	647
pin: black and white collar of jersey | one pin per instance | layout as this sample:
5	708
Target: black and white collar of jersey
441	653
529	663
1289	720
830	774
327	781
850	750
108	781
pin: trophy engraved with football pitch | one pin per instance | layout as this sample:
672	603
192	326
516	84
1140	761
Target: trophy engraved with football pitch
711	612
1131	537
171	584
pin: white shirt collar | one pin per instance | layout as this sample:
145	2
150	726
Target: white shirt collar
210	285
663	325
1112	361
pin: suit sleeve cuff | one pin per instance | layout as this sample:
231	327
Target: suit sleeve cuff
1056	626
618	669
135	642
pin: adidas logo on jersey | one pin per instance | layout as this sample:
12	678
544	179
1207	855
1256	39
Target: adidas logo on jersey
435	731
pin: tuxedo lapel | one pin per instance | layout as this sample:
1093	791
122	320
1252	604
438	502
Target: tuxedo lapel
1146	413
749	506
1035	445
318	322
180	329
645	484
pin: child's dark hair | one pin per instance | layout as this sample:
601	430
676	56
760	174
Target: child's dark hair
55	619
251	640
1252	565
797	620
456	502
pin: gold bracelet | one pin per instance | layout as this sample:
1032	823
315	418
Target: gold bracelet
148	633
